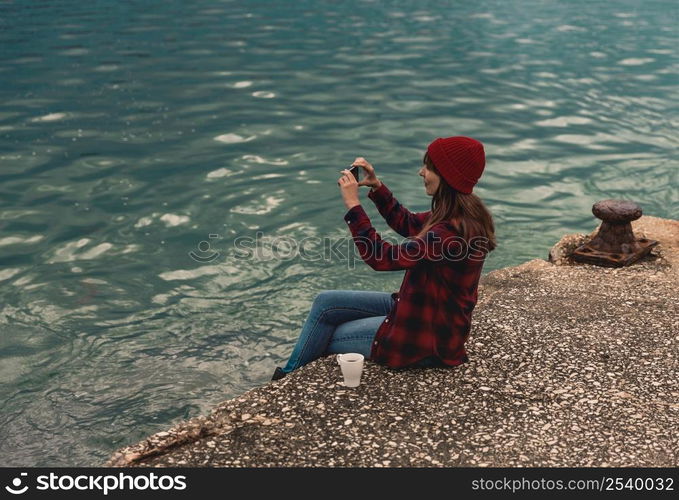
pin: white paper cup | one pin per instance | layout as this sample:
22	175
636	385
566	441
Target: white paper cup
351	364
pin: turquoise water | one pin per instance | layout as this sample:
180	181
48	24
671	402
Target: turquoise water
132	131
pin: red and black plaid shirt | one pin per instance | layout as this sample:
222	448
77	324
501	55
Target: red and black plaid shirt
433	309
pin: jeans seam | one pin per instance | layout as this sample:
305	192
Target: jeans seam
352	338
348	339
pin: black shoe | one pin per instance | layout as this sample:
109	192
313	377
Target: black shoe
278	374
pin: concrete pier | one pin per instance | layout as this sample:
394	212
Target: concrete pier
570	365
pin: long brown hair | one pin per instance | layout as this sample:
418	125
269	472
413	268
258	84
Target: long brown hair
466	212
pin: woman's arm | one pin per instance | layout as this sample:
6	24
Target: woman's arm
382	256
399	218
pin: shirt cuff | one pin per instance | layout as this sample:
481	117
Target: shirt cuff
356	218
380	192
352	214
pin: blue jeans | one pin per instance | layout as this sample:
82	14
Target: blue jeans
340	321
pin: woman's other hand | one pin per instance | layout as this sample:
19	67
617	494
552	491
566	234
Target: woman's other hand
370	179
349	189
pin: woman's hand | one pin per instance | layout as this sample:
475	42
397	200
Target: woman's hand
349	189
370	179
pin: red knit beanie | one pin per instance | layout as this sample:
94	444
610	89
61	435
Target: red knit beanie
460	161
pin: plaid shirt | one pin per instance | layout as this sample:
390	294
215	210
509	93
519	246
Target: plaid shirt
433	309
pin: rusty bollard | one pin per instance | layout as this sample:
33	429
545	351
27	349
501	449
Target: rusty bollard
614	245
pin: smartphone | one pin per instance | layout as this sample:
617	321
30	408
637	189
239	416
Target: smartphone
354	170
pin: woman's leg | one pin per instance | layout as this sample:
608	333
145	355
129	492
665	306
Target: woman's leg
355	336
330	309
